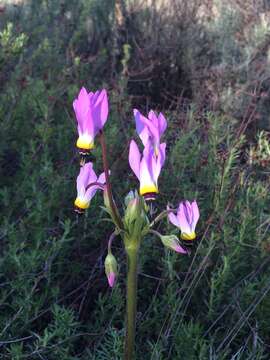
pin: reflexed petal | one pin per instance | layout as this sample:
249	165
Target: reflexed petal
90	193
100	109
196	213
152	128
81	182
188	211
163	153
150	159
162	123
102	179
86	172
79	121
145	173
94	96
93	189
182	219
134	158
147	183
90	95
159	161
153	117
173	219
141	128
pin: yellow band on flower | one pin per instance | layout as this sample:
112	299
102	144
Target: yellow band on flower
148	189
85	143
81	204
191	236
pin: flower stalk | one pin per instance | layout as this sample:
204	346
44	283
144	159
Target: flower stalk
132	250
115	214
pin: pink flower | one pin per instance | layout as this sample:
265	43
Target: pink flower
186	219
85	193
151	128
147	167
91	111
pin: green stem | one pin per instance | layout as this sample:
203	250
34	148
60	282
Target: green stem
115	214
131	301
161	216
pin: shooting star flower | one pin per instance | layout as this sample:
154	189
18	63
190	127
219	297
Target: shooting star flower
91	110
186	219
151	128
147	167
87	185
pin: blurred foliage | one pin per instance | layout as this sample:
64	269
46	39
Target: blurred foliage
205	64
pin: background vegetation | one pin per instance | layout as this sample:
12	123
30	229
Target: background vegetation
205	64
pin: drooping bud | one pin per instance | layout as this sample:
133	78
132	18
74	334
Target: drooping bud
172	242
111	269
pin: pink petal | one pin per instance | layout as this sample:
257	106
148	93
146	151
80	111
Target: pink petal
188	211
178	248
101	179
90	193
196	213
173	219
159	161
153	117
134	158
111	279
141	128
151	128
162	124
182	219
94	96
146	171
99	109
83	178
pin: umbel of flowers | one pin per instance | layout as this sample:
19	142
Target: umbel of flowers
91	110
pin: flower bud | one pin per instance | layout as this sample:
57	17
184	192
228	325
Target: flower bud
111	269
133	210
135	218
172	242
130	196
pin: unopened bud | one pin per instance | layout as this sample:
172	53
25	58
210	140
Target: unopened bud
172	242
130	196
111	269
133	210
135	218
